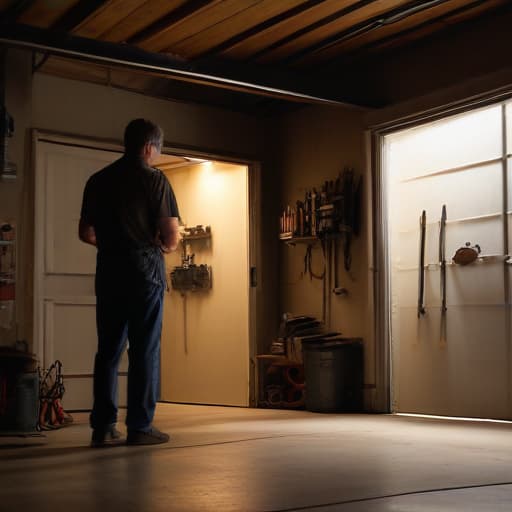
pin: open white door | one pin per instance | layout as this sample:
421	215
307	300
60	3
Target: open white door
64	298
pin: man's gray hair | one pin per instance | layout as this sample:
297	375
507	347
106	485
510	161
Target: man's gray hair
140	132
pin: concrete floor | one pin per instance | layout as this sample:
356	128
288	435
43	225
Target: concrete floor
225	459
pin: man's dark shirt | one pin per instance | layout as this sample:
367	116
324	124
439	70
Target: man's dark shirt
124	203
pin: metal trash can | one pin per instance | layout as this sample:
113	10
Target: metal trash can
19	392
333	372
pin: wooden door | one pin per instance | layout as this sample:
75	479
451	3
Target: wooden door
64	298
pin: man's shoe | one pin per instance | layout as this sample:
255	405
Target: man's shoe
152	436
106	437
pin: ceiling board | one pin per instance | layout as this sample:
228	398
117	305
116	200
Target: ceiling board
265	38
210	37
44	13
404	37
215	51
195	23
143	16
387	31
106	17
363	14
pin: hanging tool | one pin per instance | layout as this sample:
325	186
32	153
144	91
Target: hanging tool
466	255
442	258
421	269
337	289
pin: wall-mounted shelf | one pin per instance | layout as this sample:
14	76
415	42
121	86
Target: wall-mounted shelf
206	236
485	259
293	240
196	233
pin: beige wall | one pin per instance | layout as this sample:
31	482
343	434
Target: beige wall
316	144
76	108
94	110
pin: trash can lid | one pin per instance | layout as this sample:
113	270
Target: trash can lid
319	344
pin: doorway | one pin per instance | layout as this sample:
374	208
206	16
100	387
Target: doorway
215	367
450	327
205	338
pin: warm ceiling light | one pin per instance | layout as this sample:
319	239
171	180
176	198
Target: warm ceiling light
196	160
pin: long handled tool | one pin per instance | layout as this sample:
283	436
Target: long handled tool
421	270
442	258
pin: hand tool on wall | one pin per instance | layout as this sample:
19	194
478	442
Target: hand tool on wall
421	269
337	289
442	258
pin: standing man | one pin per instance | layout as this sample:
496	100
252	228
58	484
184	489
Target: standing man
130	214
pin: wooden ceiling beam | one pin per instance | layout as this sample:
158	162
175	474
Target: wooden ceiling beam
419	29
309	28
103	19
221	22
269	81
204	23
141	14
166	22
376	22
77	14
233	41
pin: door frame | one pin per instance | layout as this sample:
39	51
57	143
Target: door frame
378	232
254	220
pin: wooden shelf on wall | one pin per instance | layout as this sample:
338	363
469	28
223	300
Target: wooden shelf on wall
293	240
206	236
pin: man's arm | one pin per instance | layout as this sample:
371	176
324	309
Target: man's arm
86	233
169	233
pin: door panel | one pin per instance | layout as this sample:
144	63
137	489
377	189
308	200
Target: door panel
65	177
453	142
481	195
64	297
464	376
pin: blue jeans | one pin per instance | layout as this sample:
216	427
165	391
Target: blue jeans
128	305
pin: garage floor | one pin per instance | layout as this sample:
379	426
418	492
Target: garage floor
224	459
